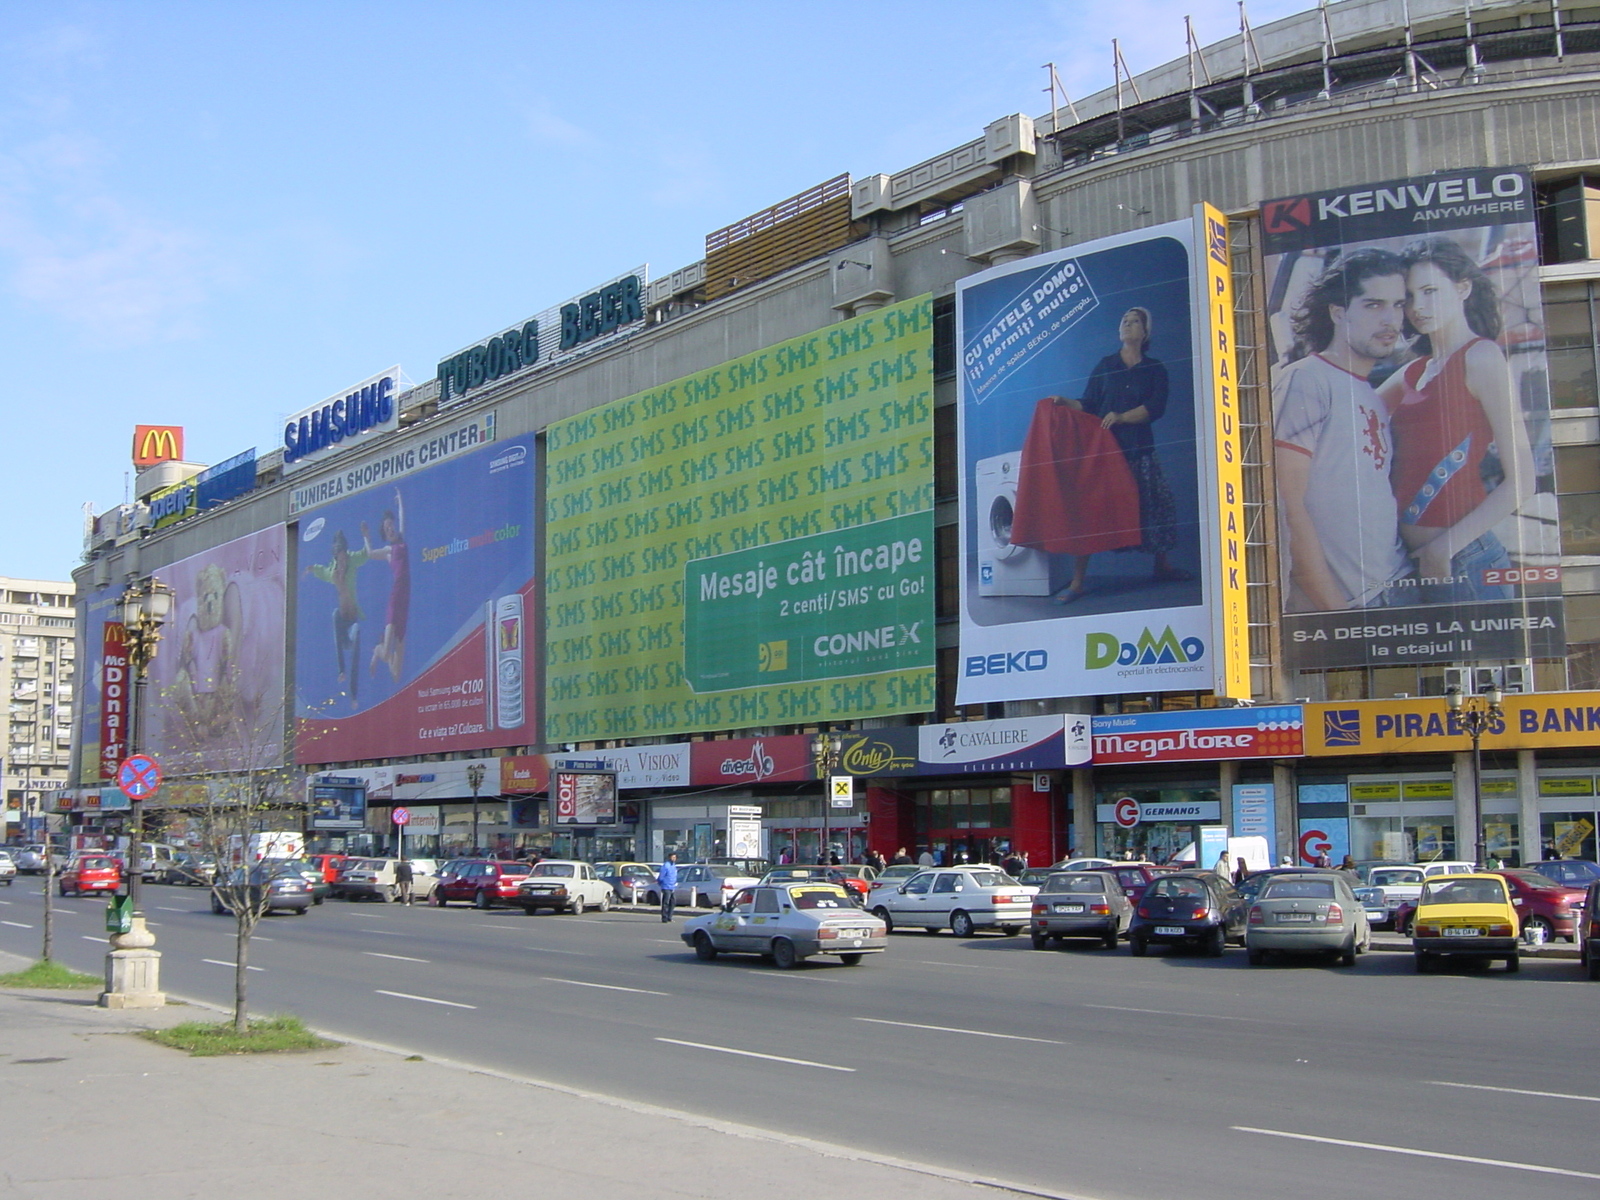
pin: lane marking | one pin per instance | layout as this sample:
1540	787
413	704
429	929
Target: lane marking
668	941
1162	1012
1461	1158
163	908
928	962
384	932
519	928
797	1062
1010	1037
397	957
609	987
423	999
86	937
1483	1087
218	962
548	950
16	924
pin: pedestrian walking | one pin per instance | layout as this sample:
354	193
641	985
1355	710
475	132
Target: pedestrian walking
403	875
1224	867
667	881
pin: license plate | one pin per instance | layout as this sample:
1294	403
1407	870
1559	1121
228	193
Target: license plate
1171	930
1296	916
1069	908
1463	933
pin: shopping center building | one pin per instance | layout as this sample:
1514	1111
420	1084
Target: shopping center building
883	488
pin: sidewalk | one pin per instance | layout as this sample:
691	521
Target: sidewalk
93	1110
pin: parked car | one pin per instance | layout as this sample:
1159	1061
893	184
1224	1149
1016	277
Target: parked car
1366	866
859	886
1589	939
1578	872
563	885
1188	908
1136	877
894	874
329	864
1387	889
1250	886
482	882
90	873
1313	912
966	899
755	868
1089	864
1542	903
156	859
711	885
31	859
8	867
788	923
1080	904
190	869
373	879
280	887
1465	916
631	881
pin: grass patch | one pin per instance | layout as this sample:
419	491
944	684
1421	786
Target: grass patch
269	1035
47	973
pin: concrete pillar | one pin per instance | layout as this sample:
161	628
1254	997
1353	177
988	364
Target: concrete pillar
1285	809
1532	845
1227	776
1083	824
1467	814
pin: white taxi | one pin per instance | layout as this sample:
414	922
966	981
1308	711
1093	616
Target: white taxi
788	923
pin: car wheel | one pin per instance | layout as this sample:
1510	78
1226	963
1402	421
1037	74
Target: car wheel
1422	958
961	924
783	954
1593	965
1040	941
576	906
652	898
1514	963
1138	946
605	903
1402	927
850	960
1217	942
1256	958
64	889
216	906
300	912
703	949
436	899
529	910
1110	940
480	899
388	895
1010	930
883	915
1347	956
1549	934
316	899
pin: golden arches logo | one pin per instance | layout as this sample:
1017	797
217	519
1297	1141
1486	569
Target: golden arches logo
154	444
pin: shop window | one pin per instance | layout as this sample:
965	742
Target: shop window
1569	219
1394	681
947	597
944	336
946	460
1569	834
1583	642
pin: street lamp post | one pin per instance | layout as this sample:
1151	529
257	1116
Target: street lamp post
826	751
1476	715
475	781
133	967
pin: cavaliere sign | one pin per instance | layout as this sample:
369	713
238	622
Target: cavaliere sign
1219	733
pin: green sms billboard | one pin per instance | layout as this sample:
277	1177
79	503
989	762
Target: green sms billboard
749	545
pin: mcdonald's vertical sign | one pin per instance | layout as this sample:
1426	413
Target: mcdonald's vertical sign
116	699
154	444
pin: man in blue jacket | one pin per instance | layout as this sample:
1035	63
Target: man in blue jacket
667	881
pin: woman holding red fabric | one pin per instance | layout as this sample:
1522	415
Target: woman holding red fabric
1462	462
1128	391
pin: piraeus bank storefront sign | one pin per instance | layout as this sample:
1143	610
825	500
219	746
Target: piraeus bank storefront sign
1426	725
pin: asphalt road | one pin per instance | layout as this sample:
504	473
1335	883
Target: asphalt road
1078	1071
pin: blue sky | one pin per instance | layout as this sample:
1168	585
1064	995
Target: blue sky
213	215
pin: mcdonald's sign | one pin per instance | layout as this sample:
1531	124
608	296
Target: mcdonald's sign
154	444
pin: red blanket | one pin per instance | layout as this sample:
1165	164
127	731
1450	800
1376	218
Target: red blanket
1075	493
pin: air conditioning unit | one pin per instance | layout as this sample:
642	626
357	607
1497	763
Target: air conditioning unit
1514	677
1457	679
1517	677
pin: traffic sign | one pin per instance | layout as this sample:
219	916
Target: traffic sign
402	816
139	777
842	791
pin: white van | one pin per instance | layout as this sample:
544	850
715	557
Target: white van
1253	851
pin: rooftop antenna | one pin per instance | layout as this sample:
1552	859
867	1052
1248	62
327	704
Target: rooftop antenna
1055	109
1474	63
1329	49
1119	67
1248	49
1196	101
1555	15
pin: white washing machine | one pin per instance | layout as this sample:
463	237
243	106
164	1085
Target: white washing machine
1005	569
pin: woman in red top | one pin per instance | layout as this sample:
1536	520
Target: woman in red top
1462	460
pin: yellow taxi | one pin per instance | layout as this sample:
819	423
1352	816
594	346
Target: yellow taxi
1467	916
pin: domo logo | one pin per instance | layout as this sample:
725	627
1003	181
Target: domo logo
310	532
1105	650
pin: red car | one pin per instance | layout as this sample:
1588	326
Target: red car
482	882
1539	901
1136	877
329	864
91	873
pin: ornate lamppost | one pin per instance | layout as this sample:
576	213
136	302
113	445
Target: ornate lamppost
1476	715
475	781
133	967
826	751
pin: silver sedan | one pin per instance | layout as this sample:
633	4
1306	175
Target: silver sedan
788	923
1307	914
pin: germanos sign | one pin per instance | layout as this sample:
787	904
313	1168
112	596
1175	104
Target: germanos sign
1426	725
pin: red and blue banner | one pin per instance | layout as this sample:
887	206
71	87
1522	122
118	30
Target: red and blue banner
1274	731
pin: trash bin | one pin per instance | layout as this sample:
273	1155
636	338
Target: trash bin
119	914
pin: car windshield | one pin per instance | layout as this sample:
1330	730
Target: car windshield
1298	889
1538	882
1393	877
899	871
1170	888
94	864
991	879
1465	891
562	870
820	897
1093	885
724	872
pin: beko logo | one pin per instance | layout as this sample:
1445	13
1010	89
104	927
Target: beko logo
1008	664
